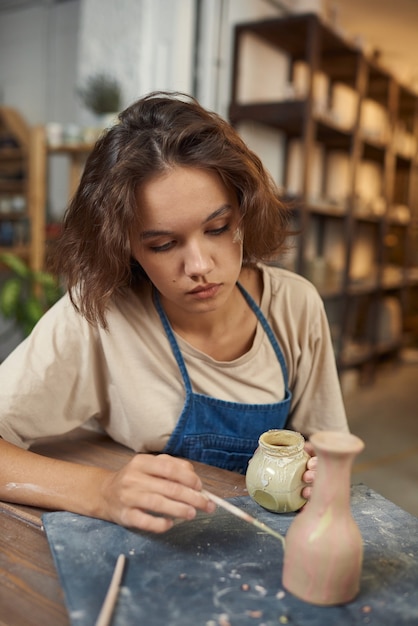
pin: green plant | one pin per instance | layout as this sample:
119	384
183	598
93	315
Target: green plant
27	294
101	94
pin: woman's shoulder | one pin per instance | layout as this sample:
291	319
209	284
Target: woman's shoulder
283	282
62	329
65	320
133	306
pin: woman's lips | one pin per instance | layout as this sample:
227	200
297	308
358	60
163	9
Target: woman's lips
205	291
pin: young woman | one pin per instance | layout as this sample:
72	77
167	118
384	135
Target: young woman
176	337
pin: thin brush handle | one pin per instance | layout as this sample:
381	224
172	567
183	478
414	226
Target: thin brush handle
108	606
243	515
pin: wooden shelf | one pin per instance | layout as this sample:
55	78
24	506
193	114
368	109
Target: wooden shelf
293	34
327	210
12	154
12	186
390	149
284	115
71	149
40	153
15	225
14	216
22	251
25	150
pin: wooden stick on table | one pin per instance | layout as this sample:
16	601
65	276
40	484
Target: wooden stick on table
243	515
108	606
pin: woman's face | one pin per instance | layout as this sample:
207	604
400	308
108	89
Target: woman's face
189	242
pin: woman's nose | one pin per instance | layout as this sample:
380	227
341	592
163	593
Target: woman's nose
197	261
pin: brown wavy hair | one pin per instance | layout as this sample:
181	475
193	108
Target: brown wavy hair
157	132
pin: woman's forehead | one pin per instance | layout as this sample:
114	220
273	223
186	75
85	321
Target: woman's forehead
181	190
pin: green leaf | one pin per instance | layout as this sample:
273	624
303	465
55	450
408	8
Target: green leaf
9	297
45	279
52	295
15	264
28	294
33	312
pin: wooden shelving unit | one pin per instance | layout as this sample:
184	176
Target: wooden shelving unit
24	175
371	294
40	154
15	222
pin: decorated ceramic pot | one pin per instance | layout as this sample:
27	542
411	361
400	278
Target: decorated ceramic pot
274	474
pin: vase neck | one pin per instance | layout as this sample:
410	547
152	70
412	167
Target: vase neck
336	452
333	479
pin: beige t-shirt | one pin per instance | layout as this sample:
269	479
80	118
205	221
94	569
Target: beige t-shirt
68	371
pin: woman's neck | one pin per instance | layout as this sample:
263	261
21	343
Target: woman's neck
227	333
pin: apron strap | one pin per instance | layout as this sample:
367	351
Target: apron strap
173	343
179	357
267	328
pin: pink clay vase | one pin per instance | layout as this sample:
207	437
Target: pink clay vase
324	548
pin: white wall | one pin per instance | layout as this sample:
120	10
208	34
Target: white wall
38	60
47	50
146	44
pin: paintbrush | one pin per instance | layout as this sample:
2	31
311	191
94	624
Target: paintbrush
105	615
243	515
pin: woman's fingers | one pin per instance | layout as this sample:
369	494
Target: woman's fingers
155	482
306	492
151	491
309	475
308	447
164	498
166	466
135	518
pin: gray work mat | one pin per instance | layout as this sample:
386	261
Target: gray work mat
219	571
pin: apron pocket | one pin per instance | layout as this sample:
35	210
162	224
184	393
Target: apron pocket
229	453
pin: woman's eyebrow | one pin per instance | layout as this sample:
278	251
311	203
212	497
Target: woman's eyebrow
149	234
225	209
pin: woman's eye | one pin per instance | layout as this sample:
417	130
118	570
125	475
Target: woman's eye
163	247
218	231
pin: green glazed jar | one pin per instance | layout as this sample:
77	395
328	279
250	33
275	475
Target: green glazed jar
274	474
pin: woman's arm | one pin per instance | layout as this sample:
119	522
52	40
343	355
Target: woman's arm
148	493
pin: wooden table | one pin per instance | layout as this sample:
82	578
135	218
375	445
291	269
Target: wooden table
30	593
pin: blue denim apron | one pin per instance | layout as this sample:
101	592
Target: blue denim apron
219	432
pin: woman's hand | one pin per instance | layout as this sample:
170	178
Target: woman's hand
151	491
309	476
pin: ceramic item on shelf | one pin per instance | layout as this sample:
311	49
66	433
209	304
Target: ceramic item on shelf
337	182
321	92
72	134
294	170
344	105
324	548
316	175
369	180
54	134
374	120
301	78
274	474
